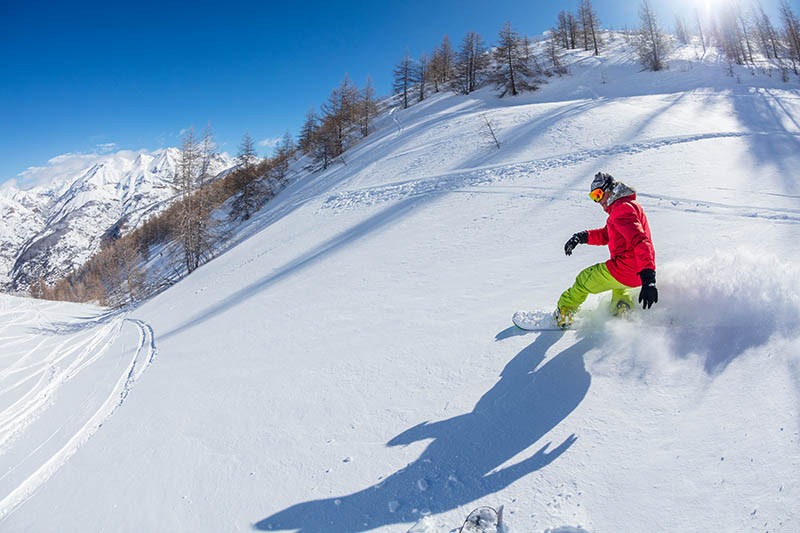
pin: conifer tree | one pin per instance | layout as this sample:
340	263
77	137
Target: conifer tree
590	23
791	33
529	57
420	76
442	73
201	239
746	30
584	26
561	33
652	43
324	143
472	62
279	164
700	30
572	30
131	275
186	182
403	74
728	35
553	53
307	130
341	113
766	34
680	30
512	72
368	108
286	147
434	68
250	189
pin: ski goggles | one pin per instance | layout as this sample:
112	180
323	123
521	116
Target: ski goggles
597	194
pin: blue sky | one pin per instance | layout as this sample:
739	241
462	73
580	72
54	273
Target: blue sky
85	77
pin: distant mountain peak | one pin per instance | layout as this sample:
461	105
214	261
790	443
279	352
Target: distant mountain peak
56	223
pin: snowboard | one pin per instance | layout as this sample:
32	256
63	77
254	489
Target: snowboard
596	320
536	321
484	520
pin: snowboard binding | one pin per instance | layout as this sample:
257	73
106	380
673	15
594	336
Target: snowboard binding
564	317
622	310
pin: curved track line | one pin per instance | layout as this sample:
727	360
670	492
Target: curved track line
15	417
140	361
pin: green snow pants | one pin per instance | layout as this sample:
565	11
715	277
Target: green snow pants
595	279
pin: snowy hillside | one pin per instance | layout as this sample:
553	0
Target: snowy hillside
350	365
51	228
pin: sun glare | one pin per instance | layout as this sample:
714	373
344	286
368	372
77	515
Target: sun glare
710	5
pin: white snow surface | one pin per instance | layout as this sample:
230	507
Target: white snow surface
350	365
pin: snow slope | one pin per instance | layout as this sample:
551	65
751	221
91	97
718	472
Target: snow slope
349	364
64	374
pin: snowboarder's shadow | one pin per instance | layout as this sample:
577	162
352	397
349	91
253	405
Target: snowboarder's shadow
463	462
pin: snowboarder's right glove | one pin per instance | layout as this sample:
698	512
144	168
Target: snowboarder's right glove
579	238
649	294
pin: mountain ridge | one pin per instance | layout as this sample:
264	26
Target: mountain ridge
50	229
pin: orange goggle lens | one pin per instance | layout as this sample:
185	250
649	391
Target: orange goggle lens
596	195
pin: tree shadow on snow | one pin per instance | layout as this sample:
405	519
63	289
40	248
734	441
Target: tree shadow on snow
375	222
774	144
463	462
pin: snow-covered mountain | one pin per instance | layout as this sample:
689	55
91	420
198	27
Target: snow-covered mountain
48	229
349	364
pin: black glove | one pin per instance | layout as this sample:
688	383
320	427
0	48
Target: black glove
579	238
649	294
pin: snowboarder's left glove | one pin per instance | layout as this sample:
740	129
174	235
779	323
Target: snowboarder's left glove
581	237
649	294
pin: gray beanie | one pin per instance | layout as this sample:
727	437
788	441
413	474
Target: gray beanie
603	181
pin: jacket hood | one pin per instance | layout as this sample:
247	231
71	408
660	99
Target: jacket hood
619	190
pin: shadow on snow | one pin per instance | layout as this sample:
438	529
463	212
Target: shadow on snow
77	324
463	462
384	217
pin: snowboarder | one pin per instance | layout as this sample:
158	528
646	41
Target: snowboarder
632	262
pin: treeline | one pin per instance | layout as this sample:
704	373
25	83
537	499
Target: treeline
511	66
118	274
744	34
346	116
580	29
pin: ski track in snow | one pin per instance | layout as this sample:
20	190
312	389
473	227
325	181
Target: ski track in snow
147	346
488	175
83	345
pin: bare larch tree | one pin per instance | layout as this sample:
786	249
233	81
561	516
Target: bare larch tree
420	75
512	71
472	61
651	46
791	33
369	107
251	193
307	130
403	75
590	23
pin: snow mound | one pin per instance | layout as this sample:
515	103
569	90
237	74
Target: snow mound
738	289
713	309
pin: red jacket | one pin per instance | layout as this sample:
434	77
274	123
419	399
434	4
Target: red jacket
627	235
